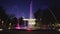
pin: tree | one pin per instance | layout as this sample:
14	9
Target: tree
38	15
21	21
11	20
56	11
48	17
45	15
14	21
3	16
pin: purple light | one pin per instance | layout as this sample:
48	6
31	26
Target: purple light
31	10
17	26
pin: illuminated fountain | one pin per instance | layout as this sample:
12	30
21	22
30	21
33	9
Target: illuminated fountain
31	21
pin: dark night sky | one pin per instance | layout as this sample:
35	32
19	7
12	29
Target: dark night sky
21	7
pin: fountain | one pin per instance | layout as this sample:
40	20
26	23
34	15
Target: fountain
31	21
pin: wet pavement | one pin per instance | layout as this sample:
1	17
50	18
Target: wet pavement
28	32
